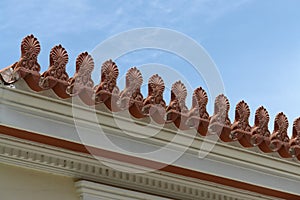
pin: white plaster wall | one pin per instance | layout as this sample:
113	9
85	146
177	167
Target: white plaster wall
24	184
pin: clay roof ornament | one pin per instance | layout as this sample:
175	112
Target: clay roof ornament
178	97
260	133
177	110
30	49
107	91
199	104
220	123
279	138
221	109
154	105
295	140
27	67
131	97
240	129
56	76
81	83
198	117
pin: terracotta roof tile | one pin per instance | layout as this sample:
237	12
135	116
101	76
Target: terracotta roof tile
107	92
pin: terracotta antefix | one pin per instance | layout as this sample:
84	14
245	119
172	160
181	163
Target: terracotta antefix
240	129
295	140
131	97
220	123
177	110
279	138
81	83
154	105
27	67
198	117
107	91
260	134
56	77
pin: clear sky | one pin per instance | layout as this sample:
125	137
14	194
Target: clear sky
255	44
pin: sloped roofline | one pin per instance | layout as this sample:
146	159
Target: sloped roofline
47	98
107	92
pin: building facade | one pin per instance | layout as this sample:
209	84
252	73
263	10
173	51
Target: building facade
68	138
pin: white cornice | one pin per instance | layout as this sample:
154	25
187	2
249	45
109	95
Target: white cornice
45	158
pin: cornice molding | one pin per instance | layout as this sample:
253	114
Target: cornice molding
89	190
46	158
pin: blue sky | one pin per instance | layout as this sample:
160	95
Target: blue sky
255	44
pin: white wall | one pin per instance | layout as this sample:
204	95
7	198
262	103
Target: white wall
23	184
